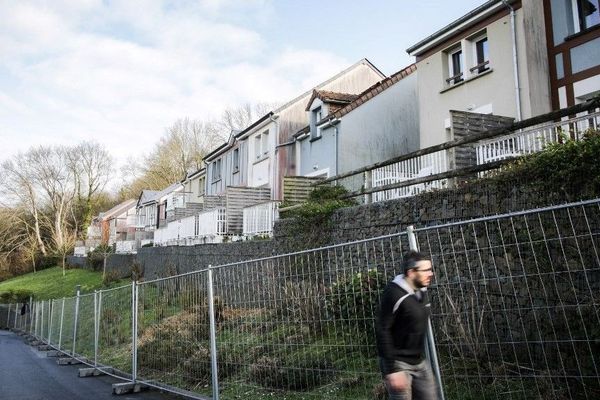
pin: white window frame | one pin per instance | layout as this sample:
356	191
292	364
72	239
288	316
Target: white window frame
216	170
265	143
451	73
317	115
474	70
235	160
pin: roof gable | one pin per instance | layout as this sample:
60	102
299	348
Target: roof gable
327	96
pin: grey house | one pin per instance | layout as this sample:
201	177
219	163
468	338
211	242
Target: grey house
346	132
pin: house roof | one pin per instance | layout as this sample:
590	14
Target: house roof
369	93
458	25
152	196
118	209
226	146
327	96
192	175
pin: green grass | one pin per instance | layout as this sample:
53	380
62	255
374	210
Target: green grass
51	284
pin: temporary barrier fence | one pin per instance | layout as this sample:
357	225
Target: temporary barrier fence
514	313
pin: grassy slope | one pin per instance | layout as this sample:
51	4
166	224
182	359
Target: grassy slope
50	283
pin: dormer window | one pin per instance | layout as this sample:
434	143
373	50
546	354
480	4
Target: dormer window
216	170
261	145
317	115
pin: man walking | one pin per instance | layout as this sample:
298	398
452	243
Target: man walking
401	330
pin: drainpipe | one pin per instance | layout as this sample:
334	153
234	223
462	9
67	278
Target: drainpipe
275	173
515	60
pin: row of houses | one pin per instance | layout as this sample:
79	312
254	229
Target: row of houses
508	60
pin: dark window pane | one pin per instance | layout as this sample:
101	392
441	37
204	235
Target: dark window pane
589	13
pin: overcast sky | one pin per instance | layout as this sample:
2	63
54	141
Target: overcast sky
120	72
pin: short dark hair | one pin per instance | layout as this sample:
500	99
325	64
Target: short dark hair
411	258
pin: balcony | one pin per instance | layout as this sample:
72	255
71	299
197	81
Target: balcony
260	218
206	227
533	140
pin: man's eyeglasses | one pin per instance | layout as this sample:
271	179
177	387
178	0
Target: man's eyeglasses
424	270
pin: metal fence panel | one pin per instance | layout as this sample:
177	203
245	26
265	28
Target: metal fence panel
173	333
84	345
68	325
302	325
114	331
515	304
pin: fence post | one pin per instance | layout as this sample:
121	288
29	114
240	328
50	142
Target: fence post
213	335
134	319
95	328
76	320
42	321
16	315
368	185
37	312
8	316
51	321
62	316
431	351
30	314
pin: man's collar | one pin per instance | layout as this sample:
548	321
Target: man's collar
400	280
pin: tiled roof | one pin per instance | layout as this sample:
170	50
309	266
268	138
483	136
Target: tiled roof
374	91
330	97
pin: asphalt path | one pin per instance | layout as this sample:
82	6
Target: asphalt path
28	374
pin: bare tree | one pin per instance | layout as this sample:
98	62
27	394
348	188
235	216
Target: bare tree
178	152
18	185
91	166
240	117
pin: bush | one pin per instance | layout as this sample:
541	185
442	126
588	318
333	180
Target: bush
354	300
15	296
571	168
95	258
322	202
304	304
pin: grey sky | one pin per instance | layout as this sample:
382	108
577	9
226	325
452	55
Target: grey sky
120	72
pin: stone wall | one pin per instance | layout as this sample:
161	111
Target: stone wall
349	224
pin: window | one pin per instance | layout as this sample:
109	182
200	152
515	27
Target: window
482	55
201	188
216	170
261	145
317	115
236	160
455	66
586	13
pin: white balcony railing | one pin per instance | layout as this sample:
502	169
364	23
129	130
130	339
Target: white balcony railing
212	222
207	227
429	164
125	247
535	139
260	218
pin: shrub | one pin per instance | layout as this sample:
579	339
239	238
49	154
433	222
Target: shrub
354	300
303	304
15	296
95	258
322	202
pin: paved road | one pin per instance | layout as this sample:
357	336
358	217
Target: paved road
28	374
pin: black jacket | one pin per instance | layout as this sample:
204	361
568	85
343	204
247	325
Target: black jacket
402	324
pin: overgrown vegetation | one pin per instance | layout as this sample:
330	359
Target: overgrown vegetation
570	169
322	202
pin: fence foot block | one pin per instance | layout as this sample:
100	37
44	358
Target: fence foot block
67	361
87	372
35	343
128	387
53	353
44	347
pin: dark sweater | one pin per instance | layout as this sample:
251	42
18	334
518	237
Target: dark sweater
402	324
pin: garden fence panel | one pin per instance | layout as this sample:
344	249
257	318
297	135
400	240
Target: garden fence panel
515	304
